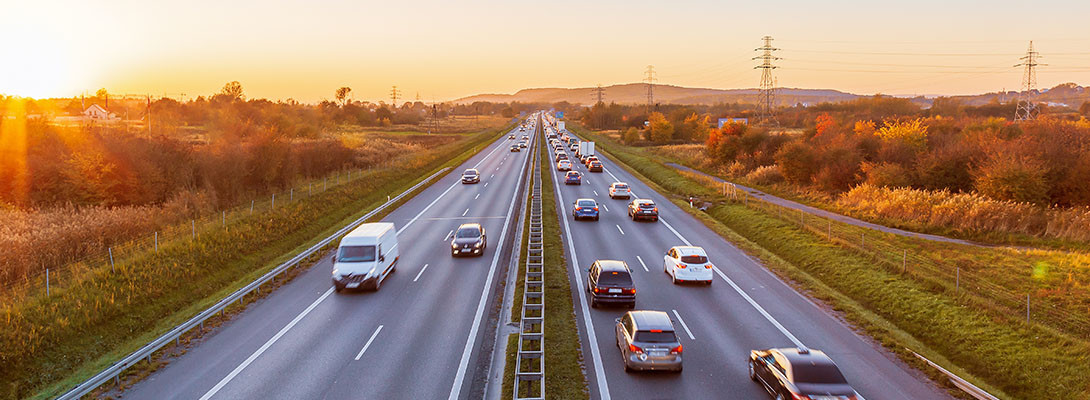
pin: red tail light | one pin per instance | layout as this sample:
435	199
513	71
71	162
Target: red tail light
709	266
595	208
630	291
682	266
656	209
676	350
597	290
578	208
633	348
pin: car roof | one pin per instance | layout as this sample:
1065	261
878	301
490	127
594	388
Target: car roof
573	172
470	225
806	356
470	170
638	201
612	265
585	199
618	183
646	320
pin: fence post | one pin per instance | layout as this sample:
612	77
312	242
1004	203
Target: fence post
111	250
904	261
291	195
47	282
193	227
863	239
957	281
325	182
156	241
274	201
223	217
830	229
251	206
1027	308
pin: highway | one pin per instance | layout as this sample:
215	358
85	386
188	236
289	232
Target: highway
746	307
415	338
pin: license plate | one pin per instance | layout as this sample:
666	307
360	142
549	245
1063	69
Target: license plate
614	290
658	353
352	285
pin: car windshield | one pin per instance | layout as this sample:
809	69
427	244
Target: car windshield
694	259
586	203
807	373
470	173
656	337
615	278
356	254
468	233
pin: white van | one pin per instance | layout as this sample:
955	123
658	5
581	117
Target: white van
365	257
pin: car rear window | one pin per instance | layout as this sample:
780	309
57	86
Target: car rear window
614	278
586	203
647	205
656	337
620	186
356	254
694	259
808	373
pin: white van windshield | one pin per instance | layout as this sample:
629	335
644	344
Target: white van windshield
356	254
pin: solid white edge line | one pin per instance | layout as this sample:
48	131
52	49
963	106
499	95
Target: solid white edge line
619	228
596	357
365	346
268	343
456	389
420	273
683	325
736	288
641	263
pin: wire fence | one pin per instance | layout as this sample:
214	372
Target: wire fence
47	278
1009	297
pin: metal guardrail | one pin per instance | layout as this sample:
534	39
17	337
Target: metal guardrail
530	361
962	384
114	371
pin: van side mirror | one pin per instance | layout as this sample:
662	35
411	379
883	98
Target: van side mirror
333	258
381	257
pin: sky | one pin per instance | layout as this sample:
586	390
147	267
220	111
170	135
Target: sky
443	50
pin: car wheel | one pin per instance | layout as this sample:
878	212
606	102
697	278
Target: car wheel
378	283
593	303
752	373
679	369
709	282
632	305
337	288
673	278
596	218
626	367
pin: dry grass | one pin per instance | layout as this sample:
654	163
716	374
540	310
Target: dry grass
970	212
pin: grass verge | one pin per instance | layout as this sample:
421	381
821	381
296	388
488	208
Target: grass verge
49	344
1009	358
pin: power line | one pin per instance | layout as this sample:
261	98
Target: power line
767	96
1027	110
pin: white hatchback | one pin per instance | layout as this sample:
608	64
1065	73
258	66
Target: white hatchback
688	264
619	190
563	165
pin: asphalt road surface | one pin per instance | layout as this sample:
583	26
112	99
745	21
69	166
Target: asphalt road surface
745	308
416	338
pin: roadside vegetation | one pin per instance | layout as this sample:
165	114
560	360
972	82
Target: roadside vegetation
885	159
52	342
965	322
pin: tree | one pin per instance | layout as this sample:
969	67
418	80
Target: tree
632	135
1014	178
661	130
101	93
232	91
1084	109
797	161
823	123
342	95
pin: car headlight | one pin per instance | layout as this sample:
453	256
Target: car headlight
336	272
478	244
372	271
453	245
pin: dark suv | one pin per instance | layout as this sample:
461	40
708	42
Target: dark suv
643	208
610	281
799	374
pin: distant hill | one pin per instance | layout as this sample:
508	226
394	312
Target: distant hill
1069	94
636	93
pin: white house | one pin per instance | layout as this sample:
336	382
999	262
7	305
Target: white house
96	113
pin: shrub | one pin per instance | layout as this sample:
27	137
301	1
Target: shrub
738	169
766	175
631	136
798	162
1013	178
839	169
887	175
660	129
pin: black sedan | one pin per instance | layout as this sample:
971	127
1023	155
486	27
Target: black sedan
799	374
469	239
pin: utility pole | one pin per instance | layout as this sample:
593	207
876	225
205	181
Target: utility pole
1027	109
148	114
766	98
599	93
394	95
650	79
